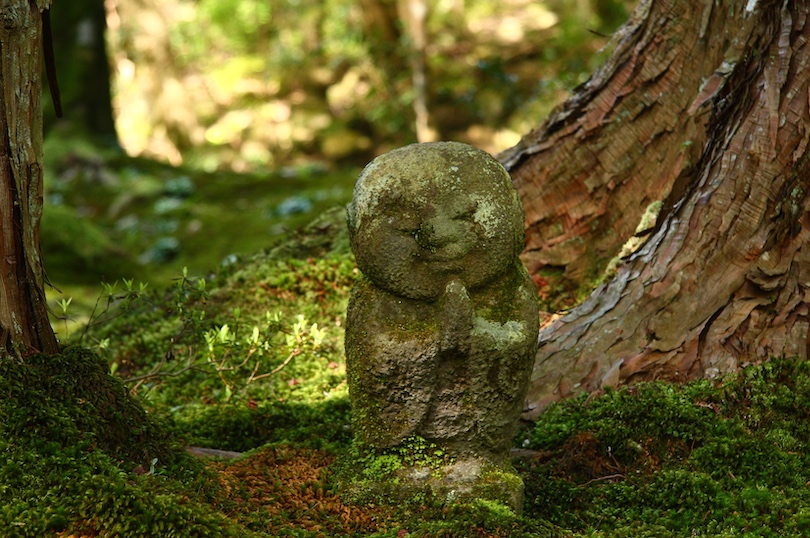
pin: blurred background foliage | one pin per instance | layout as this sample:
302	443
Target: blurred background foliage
198	130
242	84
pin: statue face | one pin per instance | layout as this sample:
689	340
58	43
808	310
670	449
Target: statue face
427	214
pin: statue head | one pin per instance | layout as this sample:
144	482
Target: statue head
427	214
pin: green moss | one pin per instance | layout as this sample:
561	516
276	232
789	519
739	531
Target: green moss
696	459
418	472
635	242
374	476
273	296
413	451
70	399
46	490
239	427
477	518
78	250
78	454
498	486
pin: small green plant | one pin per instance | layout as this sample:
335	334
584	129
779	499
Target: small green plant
111	296
64	305
114	300
239	359
189	298
224	351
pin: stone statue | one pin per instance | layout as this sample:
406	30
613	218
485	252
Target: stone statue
441	330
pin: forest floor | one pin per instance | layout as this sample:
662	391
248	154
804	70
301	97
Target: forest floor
247	356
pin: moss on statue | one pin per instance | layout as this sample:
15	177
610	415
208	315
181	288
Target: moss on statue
419	472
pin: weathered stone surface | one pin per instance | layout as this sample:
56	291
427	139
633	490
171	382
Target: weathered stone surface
441	331
426	214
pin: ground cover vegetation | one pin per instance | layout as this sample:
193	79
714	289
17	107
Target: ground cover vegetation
90	454
236	343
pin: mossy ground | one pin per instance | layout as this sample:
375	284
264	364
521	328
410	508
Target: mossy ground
696	460
702	459
417	472
81	457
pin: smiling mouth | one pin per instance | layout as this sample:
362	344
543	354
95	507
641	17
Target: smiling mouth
444	264
447	254
442	257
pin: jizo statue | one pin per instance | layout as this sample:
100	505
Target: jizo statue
441	331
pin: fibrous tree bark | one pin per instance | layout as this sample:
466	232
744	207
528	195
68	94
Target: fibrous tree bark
24	325
625	137
724	278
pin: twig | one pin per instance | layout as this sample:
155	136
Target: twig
212	452
295	353
608	477
155	372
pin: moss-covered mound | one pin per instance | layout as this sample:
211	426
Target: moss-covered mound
293	296
77	453
70	399
664	460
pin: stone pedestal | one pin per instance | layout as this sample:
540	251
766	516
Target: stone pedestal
444	481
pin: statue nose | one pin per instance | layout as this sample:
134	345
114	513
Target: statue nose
440	232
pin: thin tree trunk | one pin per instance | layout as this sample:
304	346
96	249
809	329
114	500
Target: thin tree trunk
24	326
725	279
628	137
414	14
79	28
381	27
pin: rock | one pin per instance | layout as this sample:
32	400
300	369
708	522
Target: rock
441	331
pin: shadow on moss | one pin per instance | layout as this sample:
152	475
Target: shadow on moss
241	426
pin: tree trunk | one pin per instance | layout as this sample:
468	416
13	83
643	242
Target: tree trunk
382	28
627	137
24	325
724	279
414	15
83	68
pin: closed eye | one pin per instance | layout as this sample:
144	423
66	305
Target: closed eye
408	227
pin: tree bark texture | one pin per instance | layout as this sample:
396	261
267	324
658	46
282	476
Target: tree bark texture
626	138
24	325
724	280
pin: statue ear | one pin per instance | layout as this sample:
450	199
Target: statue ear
518	220
351	218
